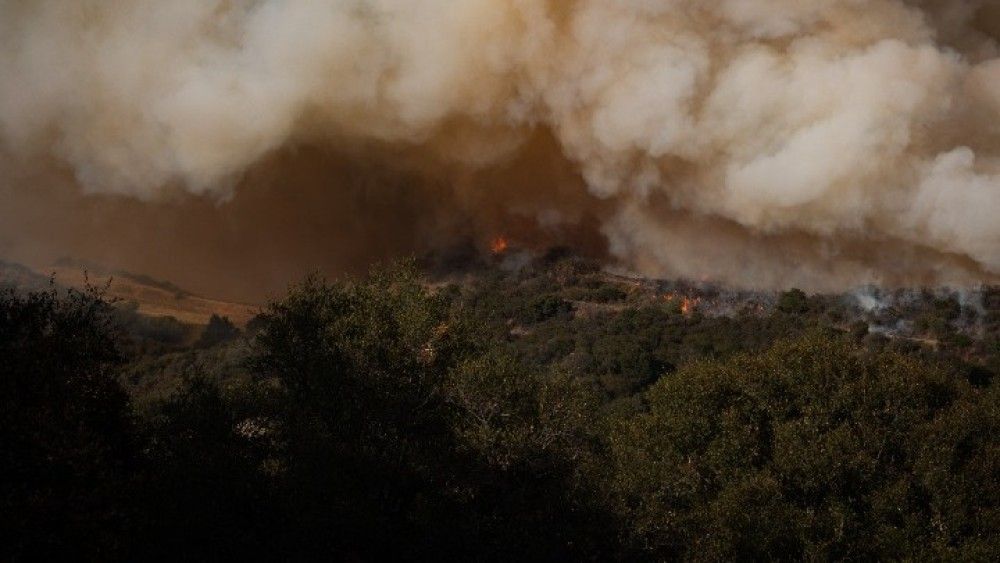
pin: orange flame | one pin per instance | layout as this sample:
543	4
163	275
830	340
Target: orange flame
687	304
499	245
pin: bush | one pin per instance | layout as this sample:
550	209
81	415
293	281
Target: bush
218	330
793	302
544	307
164	331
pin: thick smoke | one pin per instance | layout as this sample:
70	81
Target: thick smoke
762	142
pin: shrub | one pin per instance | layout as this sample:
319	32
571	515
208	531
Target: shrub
218	330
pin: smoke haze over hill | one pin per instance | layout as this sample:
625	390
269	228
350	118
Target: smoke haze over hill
234	144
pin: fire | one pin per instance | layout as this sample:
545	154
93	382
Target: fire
687	304
499	245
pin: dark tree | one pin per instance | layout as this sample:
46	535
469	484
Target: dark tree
67	434
407	429
813	450
218	330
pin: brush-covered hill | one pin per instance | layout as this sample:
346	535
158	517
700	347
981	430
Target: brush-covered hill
544	410
618	333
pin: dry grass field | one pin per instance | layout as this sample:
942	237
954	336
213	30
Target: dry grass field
155	299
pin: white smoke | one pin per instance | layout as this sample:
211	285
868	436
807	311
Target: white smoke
720	131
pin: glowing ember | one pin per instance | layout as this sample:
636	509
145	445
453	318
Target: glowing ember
499	245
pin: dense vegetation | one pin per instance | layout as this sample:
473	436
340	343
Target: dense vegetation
542	414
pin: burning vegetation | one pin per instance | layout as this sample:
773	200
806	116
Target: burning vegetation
686	305
499	246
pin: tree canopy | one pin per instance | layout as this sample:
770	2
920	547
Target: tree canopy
383	417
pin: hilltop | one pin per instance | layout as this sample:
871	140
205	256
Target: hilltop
148	296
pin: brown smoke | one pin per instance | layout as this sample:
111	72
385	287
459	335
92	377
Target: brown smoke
234	144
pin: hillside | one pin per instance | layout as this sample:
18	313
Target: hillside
398	416
621	334
152	297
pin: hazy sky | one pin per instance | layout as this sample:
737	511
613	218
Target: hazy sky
233	145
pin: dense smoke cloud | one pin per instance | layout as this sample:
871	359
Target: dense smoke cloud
761	142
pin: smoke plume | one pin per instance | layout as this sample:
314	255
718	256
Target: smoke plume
820	143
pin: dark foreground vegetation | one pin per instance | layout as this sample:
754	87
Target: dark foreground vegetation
545	414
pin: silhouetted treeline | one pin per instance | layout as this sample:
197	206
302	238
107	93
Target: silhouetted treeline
379	419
